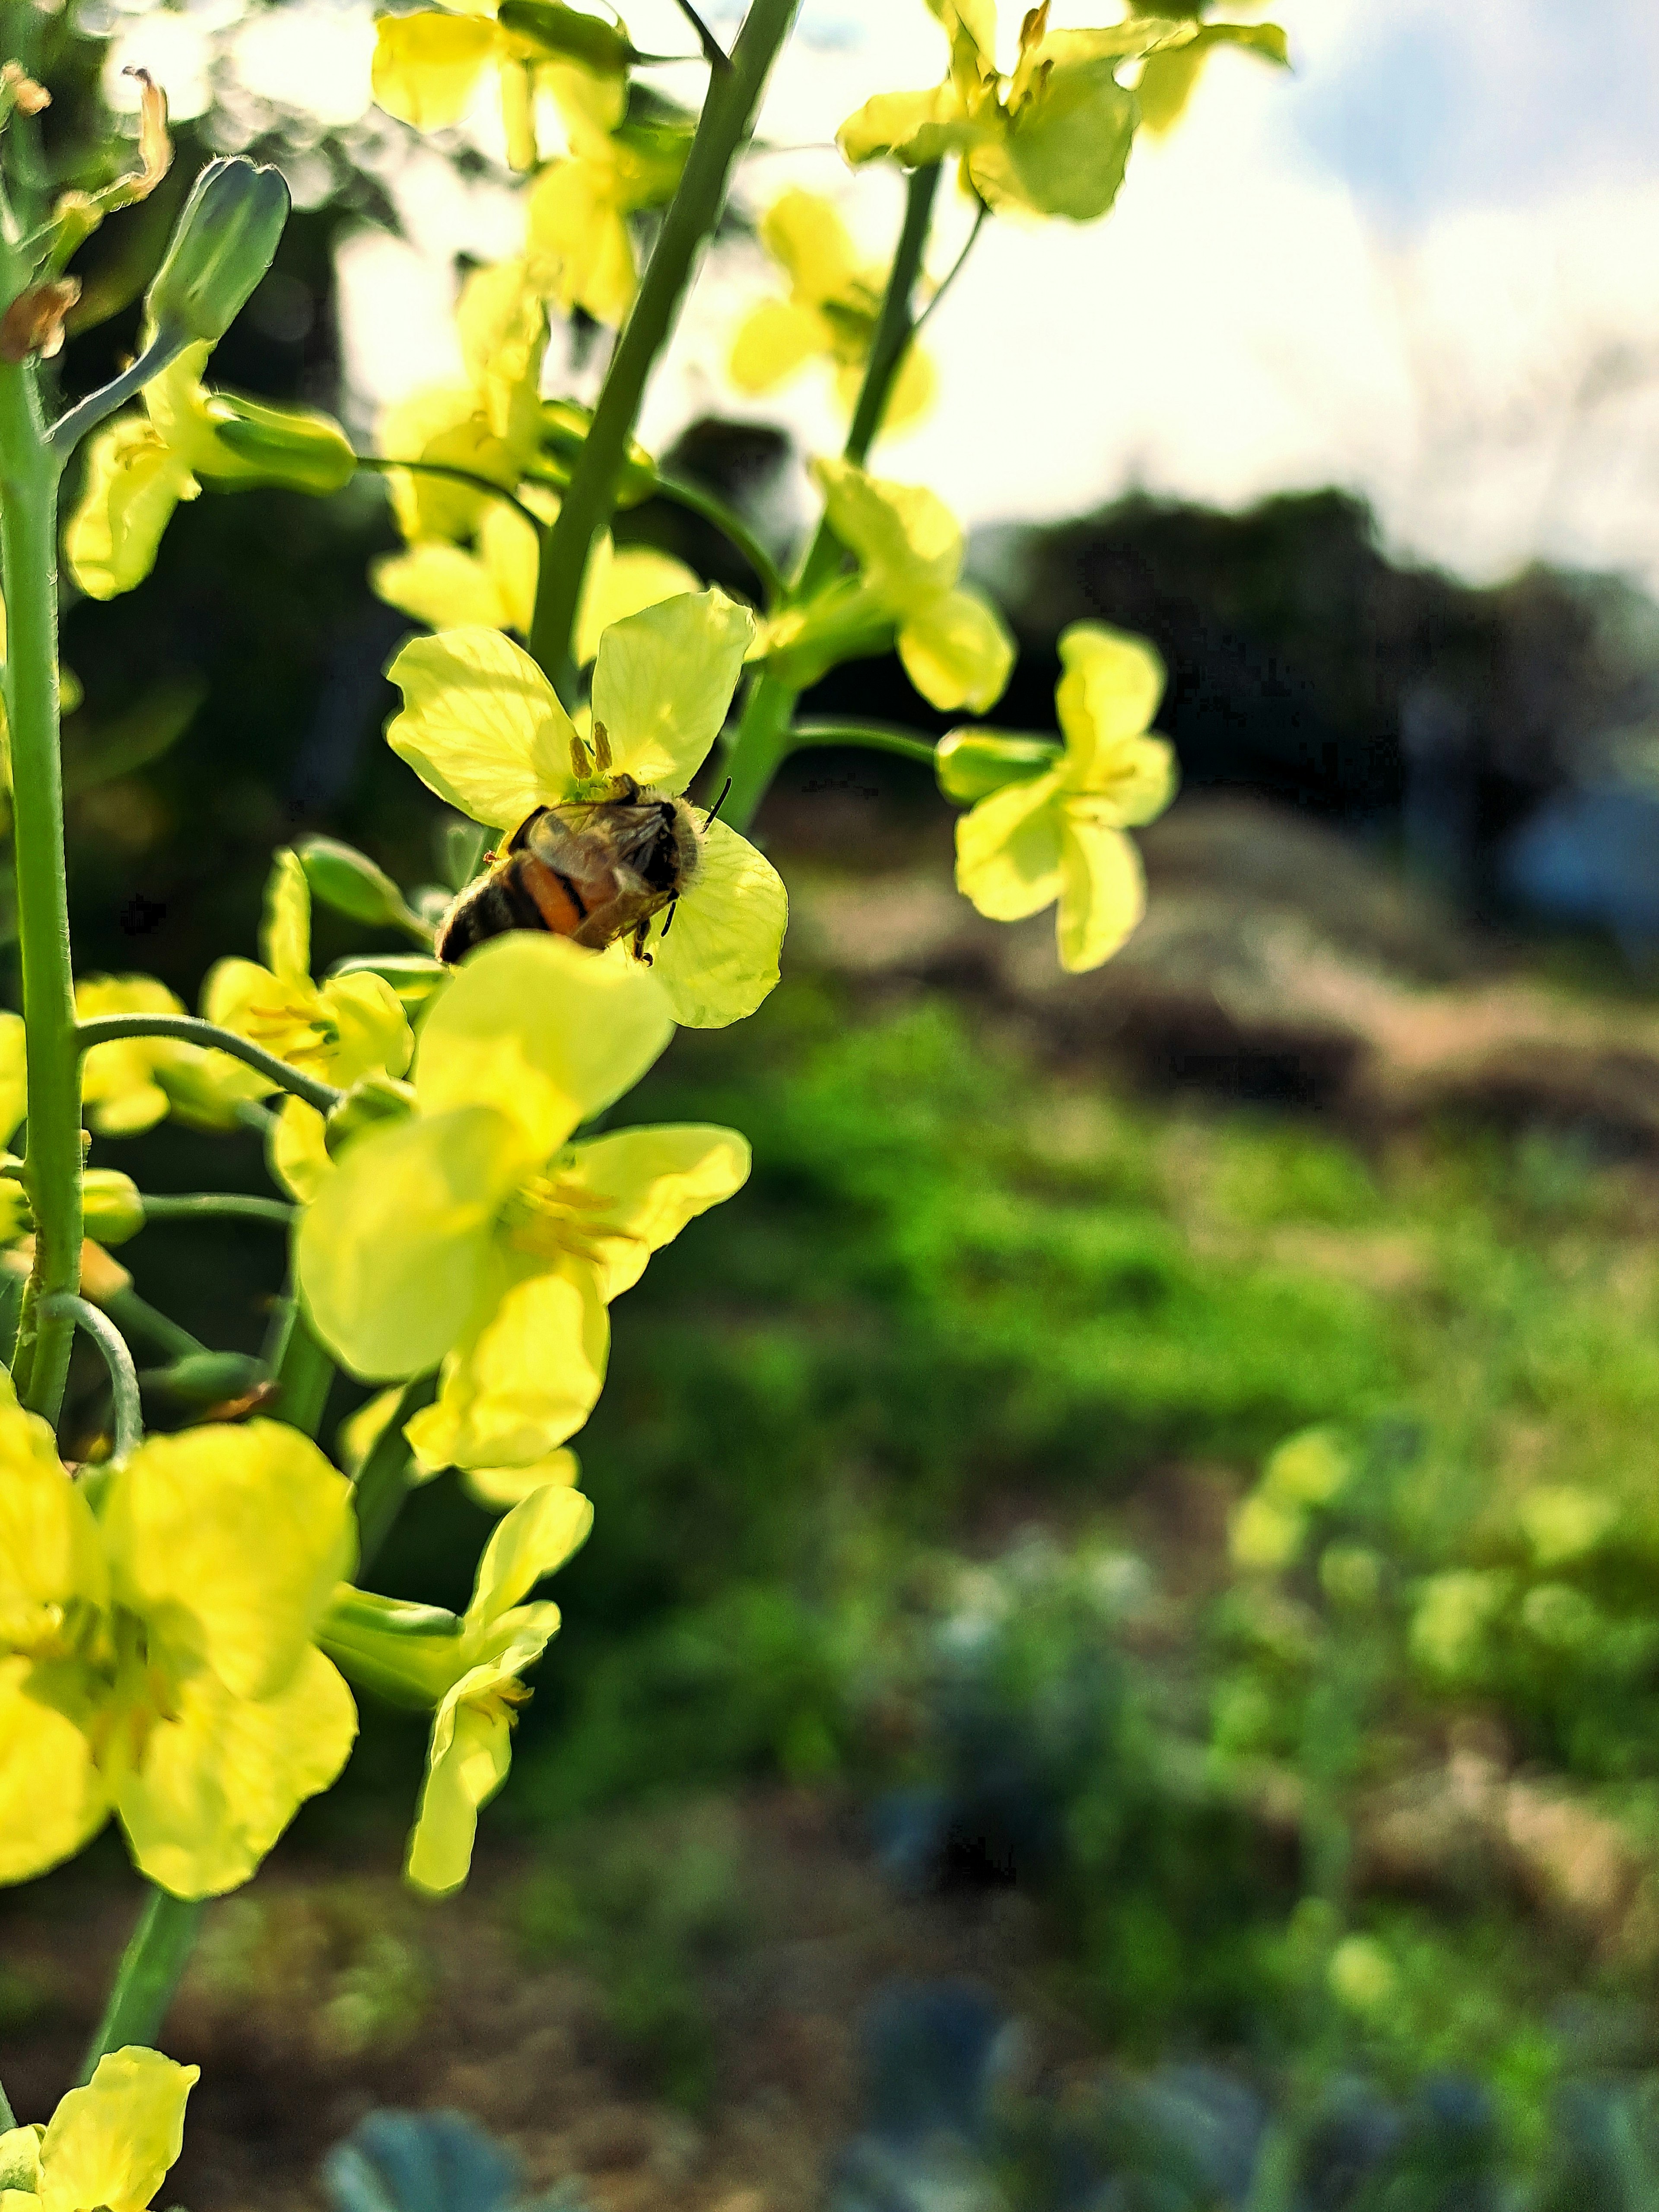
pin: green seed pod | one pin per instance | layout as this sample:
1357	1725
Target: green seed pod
111	1206
971	764
294	446
373	1103
348	881
223	243
210	1378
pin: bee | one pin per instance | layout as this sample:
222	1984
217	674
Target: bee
590	869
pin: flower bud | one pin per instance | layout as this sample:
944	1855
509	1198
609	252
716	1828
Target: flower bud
351	882
294	446
374	1103
971	764
555	32
413	975
111	1206
212	1378
223	243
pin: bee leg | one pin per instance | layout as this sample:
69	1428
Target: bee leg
640	933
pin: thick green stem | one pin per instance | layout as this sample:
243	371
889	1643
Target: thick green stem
723	131
187	1029
383	1480
762	740
28	551
148	1976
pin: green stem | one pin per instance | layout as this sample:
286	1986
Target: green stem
67	431
731	526
304	1373
148	1976
29	552
383	1479
877	737
723	130
123	1375
377	466
762	740
218	1204
105	1029
133	1317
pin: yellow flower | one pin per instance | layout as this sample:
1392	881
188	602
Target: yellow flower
156	1659
909	547
338	1030
140	467
1053	138
476	1236
830	314
625	154
469	1669
1168	78
494	1488
1057	833
484	728
129	1085
447	586
429	65
108	2145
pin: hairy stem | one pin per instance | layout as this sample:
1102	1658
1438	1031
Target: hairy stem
123	1375
28	553
105	1029
148	1976
723	131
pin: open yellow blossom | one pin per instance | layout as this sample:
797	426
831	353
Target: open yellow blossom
129	1085
1055	829
484	728
1169	78
429	65
338	1030
142	465
470	1671
494	1488
494	585
156	1659
475	1236
108	2145
627	151
954	644
831	314
1052	139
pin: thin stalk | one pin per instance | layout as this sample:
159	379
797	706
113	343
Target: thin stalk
712	52
762	742
731	526
218	1204
723	130
135	1318
383	1480
67	431
148	1976
376	466
955	267
877	737
28	553
105	1029
123	1375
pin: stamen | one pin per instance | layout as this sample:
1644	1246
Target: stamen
602	748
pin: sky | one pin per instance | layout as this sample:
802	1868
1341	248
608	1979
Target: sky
1424	265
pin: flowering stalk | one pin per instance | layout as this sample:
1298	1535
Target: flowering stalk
764	737
148	1974
723	131
28	554
106	1029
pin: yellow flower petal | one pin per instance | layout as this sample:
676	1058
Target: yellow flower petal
805	232
371	1031
285	931
133	482
218	1779
428	66
298	1151
119	1090
52	1797
393	1253
663	683
51	1553
13	1077
1065	148
547	1031
496	1488
1102	893
914	390
441	586
511	552
641	1187
111	2142
526	1379
447	424
533	1540
719	958
20	2169
581	252
917	128
467	1762
1109	691
907	541
481	725
775	339
227	1541
957	650
1008	849
502	328
620	584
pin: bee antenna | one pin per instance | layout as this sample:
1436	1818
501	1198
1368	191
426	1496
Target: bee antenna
668	919
709	817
